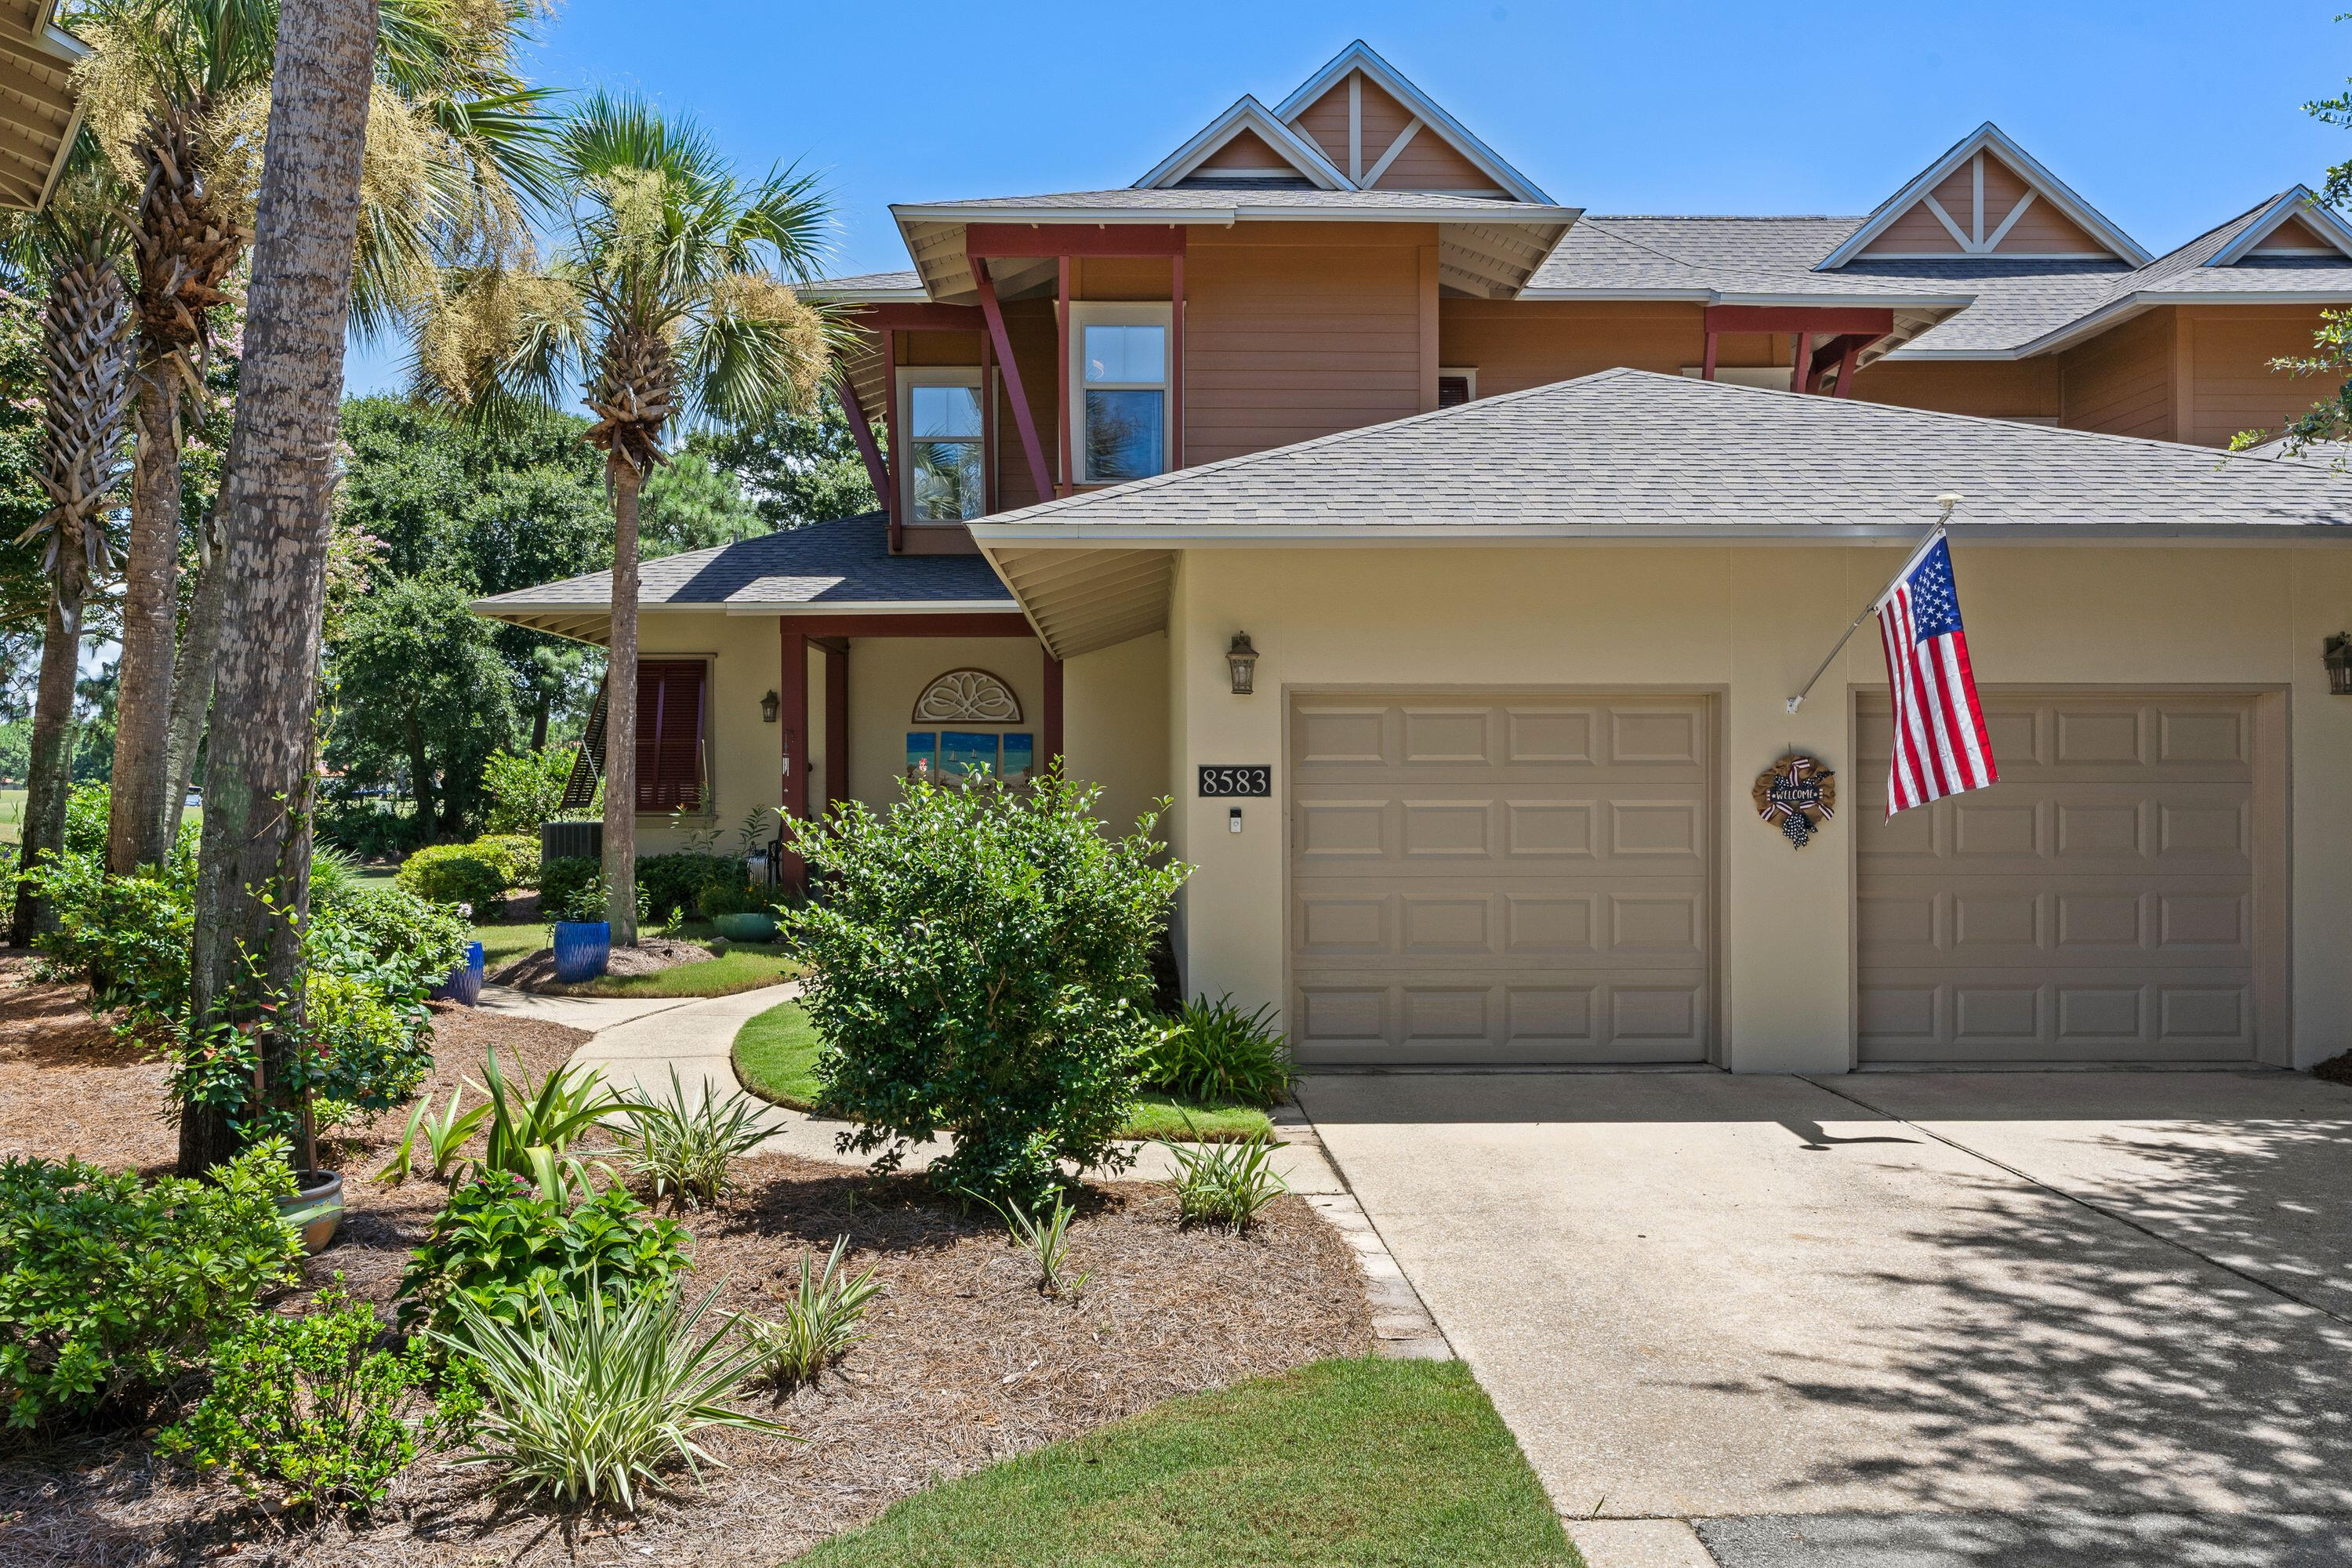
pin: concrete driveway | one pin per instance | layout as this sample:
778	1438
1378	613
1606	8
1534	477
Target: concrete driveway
1903	1320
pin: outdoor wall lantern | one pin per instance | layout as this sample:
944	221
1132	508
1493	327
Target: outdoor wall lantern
2339	664
1241	660
769	705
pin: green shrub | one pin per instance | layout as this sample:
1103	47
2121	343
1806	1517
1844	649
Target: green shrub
110	1290
1225	1184
981	965
1215	1053
819	1322
502	1241
732	896
368	829
126	937
366	1049
526	788
420	943
456	873
515	854
587	1397
88	806
572	888
305	1409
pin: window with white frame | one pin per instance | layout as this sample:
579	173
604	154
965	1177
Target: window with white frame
1120	417
946	467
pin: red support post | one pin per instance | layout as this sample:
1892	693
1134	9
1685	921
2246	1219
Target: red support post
1024	419
791	692
1052	716
837	723
1801	364
1707	358
861	430
1068	476
1847	366
1176	353
987	424
894	462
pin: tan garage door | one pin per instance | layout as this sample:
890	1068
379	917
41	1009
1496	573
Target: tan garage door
2094	905
1500	880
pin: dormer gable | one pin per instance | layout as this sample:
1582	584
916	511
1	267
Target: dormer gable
1986	197
1371	121
1247	144
2293	227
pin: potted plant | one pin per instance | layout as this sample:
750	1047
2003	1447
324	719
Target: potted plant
583	938
740	910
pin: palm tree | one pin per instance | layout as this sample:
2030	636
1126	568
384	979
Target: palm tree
75	246
253	876
178	92
668	303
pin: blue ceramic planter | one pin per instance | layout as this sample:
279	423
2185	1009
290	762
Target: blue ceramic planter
464	985
581	949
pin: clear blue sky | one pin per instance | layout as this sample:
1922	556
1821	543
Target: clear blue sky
2167	117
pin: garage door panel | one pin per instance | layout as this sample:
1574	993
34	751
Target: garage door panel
1520	879
2095	905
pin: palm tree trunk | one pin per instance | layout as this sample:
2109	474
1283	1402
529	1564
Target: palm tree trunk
253	882
150	606
621	710
49	778
192	692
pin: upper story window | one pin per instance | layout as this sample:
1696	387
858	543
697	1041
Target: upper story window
947	469
1120	417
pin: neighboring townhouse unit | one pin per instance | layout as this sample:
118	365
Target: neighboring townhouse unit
1530	596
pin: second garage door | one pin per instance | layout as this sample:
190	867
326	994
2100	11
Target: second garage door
1500	880
2097	904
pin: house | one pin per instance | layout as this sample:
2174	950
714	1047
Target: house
1535	521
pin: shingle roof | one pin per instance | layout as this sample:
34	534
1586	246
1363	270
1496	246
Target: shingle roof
1500	208
1630	453
844	561
909	282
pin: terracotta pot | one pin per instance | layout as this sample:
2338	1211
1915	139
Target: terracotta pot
316	1209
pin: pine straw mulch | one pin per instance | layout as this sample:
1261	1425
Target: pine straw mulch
967	1363
535	971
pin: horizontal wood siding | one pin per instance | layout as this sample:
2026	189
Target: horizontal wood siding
1035	349
1918	232
1247	150
2023	389
1325	123
2121	381
1294	331
1515	345
2232	384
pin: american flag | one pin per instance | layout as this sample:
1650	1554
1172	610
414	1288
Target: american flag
1940	745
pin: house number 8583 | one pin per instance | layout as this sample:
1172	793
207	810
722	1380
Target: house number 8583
1252	779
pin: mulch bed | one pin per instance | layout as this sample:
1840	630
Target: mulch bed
536	971
2336	1069
967	1363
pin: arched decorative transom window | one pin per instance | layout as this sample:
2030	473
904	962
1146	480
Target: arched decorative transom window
968	698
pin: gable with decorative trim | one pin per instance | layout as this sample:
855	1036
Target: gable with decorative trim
1986	197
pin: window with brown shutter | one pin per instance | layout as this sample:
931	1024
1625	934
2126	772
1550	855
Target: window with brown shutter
669	734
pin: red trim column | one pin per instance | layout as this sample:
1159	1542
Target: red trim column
1707	359
837	723
791	691
861	430
895	462
1062	371
1176	352
1847	366
1024	419
1053	707
1801	364
987	423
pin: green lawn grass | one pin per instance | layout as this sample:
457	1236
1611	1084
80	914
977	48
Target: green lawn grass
12	816
738	969
1341	1464
775	1058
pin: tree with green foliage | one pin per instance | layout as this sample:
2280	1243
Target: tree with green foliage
421	691
797	466
668	302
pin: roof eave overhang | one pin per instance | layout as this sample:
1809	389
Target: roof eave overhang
2116	313
1148	536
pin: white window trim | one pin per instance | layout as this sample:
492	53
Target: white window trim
1085	313
911	376
1469	373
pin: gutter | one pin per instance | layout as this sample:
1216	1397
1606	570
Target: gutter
1149	536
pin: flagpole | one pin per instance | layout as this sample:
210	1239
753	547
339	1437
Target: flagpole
1948	500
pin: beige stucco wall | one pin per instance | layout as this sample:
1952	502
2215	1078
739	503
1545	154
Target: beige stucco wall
1747	625
887	674
744	751
1115	726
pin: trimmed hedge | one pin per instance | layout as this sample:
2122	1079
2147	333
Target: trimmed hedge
665	882
479	873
